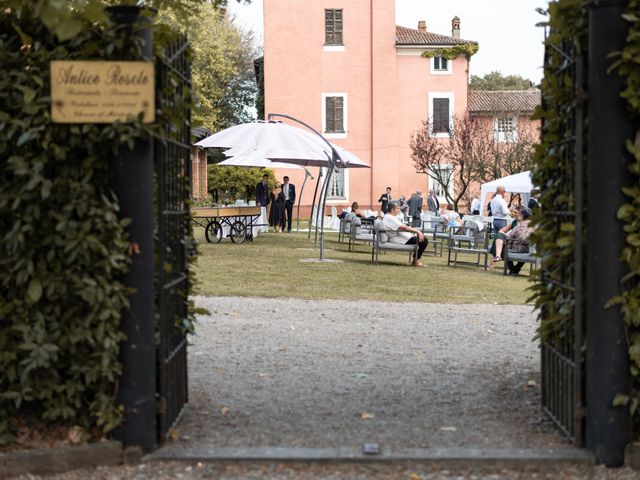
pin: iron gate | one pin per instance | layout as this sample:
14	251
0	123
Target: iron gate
562	362
173	174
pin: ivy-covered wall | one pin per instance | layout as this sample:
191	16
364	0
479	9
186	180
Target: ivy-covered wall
62	246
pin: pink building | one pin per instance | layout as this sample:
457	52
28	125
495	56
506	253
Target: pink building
347	69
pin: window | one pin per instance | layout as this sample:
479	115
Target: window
505	129
439	63
337	185
443	173
440	114
334	115
441	66
333	26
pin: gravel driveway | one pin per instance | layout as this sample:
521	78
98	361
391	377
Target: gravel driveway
304	373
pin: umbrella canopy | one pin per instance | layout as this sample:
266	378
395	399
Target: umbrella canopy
256	161
280	142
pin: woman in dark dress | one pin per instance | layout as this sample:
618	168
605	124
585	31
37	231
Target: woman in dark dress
276	215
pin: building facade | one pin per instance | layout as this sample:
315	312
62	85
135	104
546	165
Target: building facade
345	68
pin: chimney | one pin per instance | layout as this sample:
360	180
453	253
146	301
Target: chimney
422	26
455	27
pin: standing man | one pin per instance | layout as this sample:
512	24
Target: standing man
433	204
289	191
262	200
499	209
385	198
415	209
533	201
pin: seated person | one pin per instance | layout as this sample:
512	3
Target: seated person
450	216
401	234
355	208
518	234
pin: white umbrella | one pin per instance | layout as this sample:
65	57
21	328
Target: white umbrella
280	142
284	142
256	161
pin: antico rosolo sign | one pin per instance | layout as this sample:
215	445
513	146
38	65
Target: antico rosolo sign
102	91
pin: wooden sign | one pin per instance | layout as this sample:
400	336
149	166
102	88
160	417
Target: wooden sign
101	92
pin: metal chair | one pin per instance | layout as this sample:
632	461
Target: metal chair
381	243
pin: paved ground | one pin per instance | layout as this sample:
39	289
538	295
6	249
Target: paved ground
296	373
301	373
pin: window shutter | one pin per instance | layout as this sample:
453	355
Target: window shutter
329	109
339	114
440	115
328	27
338	27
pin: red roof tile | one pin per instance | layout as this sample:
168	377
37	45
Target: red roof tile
485	101
409	36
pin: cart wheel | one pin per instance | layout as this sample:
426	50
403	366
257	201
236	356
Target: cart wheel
237	232
213	232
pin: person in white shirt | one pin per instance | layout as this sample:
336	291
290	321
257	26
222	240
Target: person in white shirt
499	209
450	216
475	206
402	234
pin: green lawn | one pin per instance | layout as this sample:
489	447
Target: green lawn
270	266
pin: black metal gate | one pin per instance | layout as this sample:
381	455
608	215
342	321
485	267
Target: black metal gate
562	362
173	175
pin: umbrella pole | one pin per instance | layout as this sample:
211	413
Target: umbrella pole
306	175
313	203
323	199
320	209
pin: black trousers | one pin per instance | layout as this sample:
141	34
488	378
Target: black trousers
288	207
421	245
514	268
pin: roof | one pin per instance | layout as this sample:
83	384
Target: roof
486	101
410	36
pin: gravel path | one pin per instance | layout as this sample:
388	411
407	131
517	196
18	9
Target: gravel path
303	373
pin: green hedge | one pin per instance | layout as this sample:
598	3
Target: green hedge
555	242
62	246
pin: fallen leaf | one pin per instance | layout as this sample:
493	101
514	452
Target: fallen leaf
225	410
76	435
448	429
174	435
414	476
291	327
367	415
263	374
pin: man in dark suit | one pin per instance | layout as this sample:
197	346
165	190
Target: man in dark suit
262	192
289	191
533	201
385	198
415	209
433	204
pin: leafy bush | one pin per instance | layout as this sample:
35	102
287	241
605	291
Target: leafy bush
227	184
62	246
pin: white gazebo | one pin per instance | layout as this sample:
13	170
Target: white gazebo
518	183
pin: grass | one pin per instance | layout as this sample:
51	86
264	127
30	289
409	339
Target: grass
270	266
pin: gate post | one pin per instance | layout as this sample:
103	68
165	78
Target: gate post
608	428
132	182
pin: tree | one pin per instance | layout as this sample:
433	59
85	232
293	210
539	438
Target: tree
458	161
496	81
222	67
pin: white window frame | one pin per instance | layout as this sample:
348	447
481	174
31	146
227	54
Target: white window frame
433	183
448	71
338	200
432	97
345	120
504	137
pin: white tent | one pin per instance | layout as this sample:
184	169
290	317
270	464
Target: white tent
518	183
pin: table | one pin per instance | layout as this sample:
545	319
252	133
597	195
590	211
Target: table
236	222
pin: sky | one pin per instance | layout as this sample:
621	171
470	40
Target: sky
505	29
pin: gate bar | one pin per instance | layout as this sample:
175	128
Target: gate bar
132	182
608	428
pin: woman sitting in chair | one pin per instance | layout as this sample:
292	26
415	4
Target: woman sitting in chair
355	208
517	232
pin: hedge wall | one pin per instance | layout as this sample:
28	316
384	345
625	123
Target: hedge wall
62	246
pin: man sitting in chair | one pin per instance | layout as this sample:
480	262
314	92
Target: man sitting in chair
401	234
